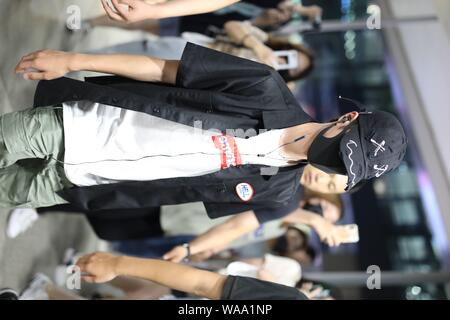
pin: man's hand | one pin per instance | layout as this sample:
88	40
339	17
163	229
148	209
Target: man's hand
45	65
327	232
314	293
129	10
272	18
202	256
99	267
177	254
137	10
265	54
311	12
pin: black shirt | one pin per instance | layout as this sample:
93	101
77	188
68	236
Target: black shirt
244	288
267	214
212	88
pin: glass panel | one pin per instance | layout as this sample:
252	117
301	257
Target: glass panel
405	213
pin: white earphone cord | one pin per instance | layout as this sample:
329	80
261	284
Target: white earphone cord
185	154
176	155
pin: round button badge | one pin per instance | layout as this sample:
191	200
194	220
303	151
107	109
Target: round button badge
244	191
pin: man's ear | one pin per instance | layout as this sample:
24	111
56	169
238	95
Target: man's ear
347	118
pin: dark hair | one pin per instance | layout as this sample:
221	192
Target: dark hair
280	246
310	251
278	43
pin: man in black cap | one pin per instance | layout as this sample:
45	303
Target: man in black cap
115	143
374	143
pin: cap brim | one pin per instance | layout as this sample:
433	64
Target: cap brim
352	155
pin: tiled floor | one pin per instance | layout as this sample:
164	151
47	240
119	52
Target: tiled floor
25	26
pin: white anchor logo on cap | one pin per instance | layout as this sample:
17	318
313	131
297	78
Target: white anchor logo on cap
380	170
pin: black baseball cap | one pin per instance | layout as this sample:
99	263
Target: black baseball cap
371	146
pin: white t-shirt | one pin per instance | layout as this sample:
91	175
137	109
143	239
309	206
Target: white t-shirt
286	271
106	144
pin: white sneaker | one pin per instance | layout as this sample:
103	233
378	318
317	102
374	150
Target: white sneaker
37	288
20	220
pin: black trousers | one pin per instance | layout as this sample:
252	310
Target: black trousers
120	224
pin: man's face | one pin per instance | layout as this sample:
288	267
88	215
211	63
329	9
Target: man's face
319	181
291	241
295	240
324	154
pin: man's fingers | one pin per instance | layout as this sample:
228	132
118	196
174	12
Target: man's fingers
335	241
82	262
24	65
120	8
169	255
26	60
110	12
131	3
332	241
314	293
90	279
41	75
30	56
329	240
34	76
172	258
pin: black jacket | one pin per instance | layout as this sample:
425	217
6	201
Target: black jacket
223	92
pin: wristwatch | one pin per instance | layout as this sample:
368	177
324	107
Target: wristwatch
188	252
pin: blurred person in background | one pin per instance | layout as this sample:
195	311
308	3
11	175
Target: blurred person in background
324	144
286	241
158	18
177	223
152	233
270	267
123	287
133	276
240	39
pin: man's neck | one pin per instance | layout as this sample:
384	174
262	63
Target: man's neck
297	151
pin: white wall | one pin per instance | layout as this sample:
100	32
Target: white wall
422	56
